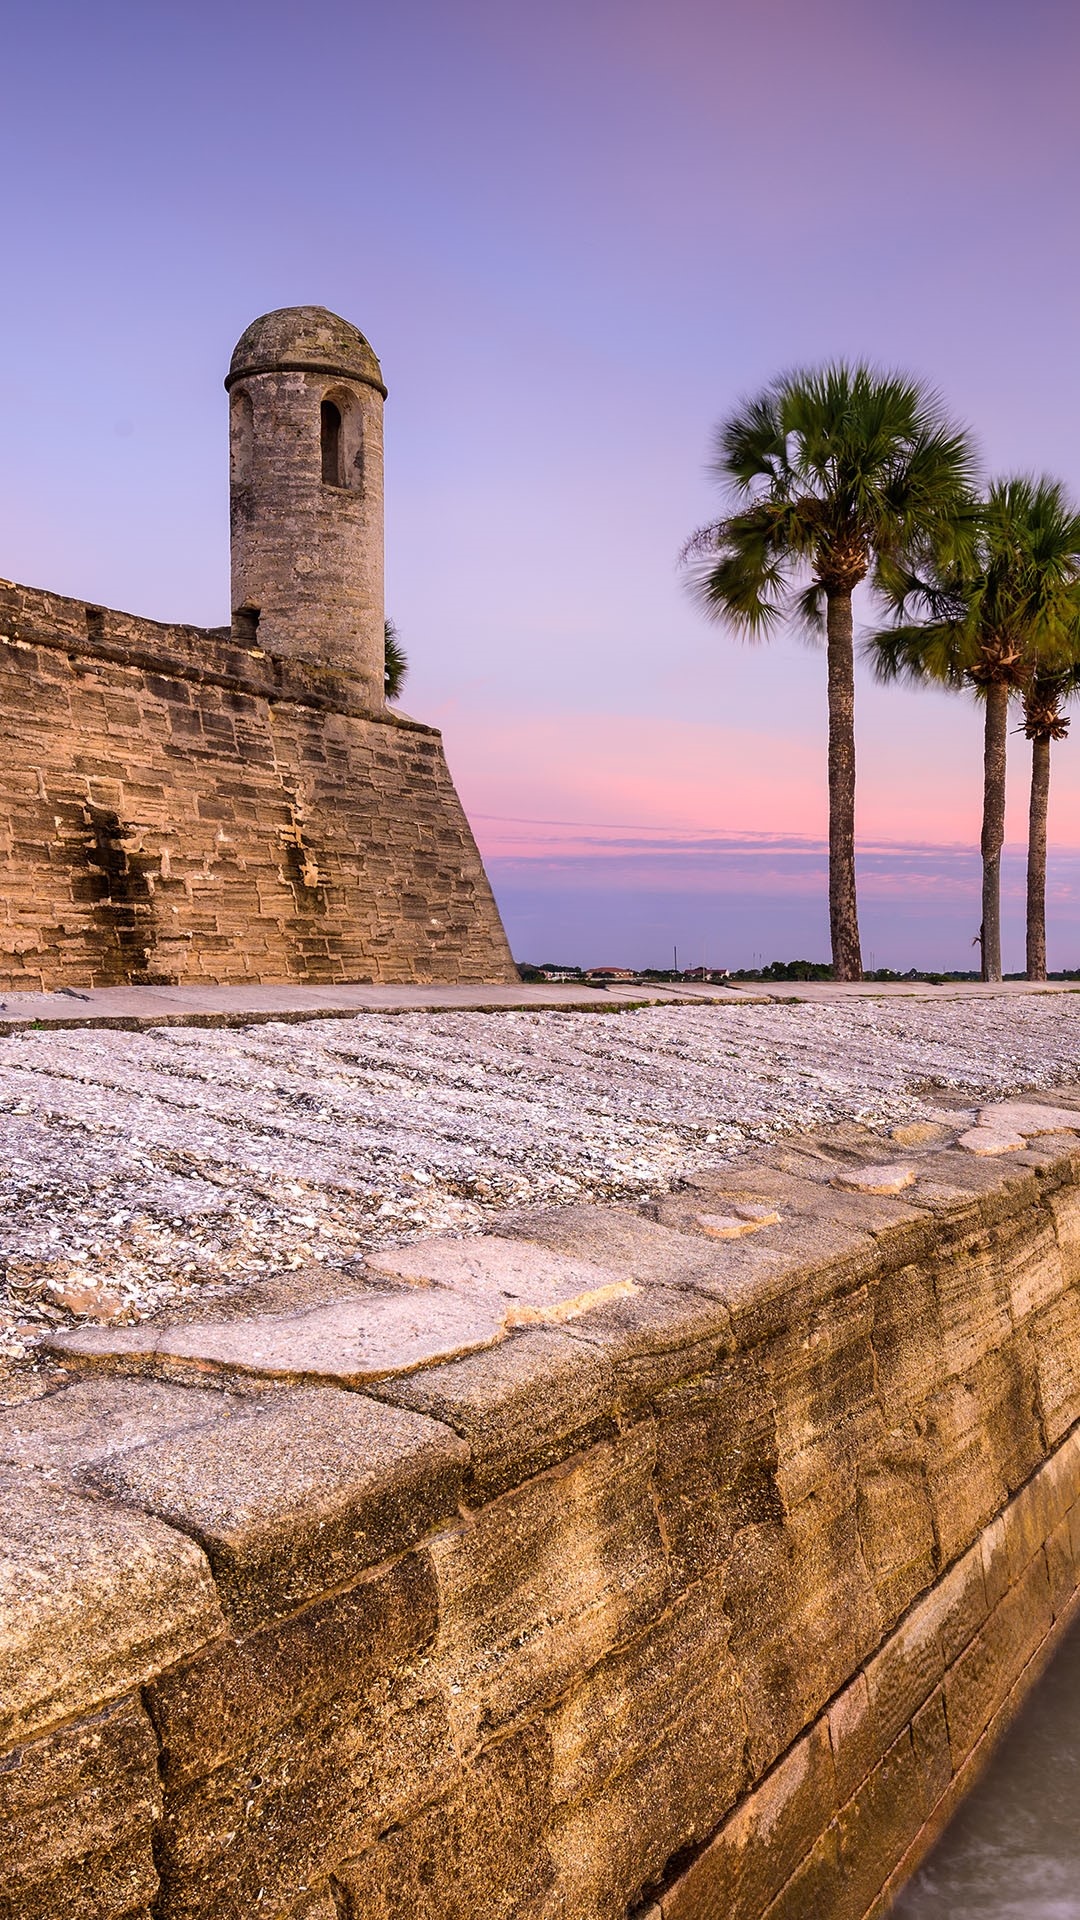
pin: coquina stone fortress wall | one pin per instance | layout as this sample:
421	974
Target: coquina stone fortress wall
176	805
606	1568
182	804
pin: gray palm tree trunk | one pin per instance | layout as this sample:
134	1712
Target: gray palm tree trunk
993	824
843	902
1036	869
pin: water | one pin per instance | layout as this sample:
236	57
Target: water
1013	1850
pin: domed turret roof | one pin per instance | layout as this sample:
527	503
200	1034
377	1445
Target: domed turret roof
308	340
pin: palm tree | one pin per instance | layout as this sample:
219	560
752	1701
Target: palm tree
1044	721
830	474
396	662
1008	606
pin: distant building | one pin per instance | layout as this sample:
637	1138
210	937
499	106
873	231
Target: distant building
610	973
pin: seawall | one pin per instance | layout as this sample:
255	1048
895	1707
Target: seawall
176	807
677	1562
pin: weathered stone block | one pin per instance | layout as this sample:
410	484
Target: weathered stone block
906	1332
650	1254
480	1852
1061	1568
1059	1477
1034	1267
824	1389
1006	1387
814	1887
284	1752
759	1847
531	1284
982	1677
656	1339
969	1195
76	1811
1064	1205
642	1767
995	1563
960	1602
92	1419
790	1635
973	1302
904	1674
810	1258
964	1486
1055	1336
933	1756
521	1407
544	1581
227	1702
876	1827
896	1527
299	1494
627	1714
708	1488
93	1601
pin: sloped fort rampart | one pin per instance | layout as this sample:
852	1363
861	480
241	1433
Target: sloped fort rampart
679	1563
181	804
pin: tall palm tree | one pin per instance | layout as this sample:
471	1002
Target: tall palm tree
1008	606
829	474
1045	720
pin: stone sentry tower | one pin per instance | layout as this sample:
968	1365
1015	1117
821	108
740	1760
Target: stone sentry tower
306	440
190	804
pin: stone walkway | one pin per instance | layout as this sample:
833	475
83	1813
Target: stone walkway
210	1006
128	1008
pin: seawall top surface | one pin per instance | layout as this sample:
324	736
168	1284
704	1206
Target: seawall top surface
297	1440
826	1396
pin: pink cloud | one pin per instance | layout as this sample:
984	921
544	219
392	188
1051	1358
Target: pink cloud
532	783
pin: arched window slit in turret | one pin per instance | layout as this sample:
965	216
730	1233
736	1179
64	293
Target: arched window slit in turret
330	417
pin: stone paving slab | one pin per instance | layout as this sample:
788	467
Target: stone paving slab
129	1007
133	1007
456	1297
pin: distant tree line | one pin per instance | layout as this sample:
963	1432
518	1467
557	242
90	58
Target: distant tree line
844	474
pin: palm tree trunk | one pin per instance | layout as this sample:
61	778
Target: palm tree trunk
993	824
843	904
1036	870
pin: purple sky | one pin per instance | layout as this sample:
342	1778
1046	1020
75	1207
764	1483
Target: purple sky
575	235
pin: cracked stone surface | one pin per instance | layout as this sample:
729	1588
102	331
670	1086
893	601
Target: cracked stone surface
886	1179
454	1297
143	1170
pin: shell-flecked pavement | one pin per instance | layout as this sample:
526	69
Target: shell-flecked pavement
141	1168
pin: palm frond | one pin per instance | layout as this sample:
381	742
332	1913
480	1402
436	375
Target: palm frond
395	662
918	653
999	601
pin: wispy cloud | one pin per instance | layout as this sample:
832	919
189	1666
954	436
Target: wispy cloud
571	888
615	855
